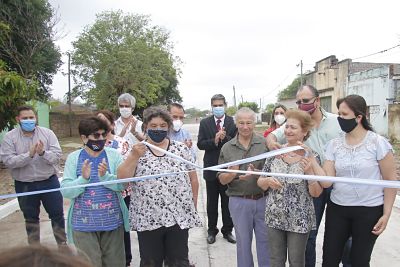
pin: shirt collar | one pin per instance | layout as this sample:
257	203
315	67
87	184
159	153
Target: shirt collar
221	119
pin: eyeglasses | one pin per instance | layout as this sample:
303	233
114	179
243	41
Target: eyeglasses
305	100
97	135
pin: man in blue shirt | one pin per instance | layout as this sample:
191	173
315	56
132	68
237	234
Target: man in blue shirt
177	113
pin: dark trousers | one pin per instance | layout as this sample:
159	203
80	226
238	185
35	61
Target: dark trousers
165	244
319	207
30	207
214	190
343	222
127	237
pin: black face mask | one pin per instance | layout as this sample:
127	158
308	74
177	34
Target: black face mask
347	125
157	135
96	145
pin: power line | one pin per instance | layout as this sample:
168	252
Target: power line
383	51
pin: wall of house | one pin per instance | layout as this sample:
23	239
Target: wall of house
394	122
377	89
59	123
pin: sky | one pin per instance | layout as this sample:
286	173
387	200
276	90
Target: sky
252	45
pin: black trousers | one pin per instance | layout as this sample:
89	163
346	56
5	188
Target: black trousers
165	244
127	237
214	190
52	203
344	221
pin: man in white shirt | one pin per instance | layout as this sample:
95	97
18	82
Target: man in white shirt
127	125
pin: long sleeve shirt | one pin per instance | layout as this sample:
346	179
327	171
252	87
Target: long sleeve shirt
14	152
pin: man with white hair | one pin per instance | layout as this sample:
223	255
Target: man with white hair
246	198
127	125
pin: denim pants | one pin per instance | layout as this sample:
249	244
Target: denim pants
30	207
249	215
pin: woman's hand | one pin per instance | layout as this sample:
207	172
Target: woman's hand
102	169
86	169
380	226
138	150
305	163
269	182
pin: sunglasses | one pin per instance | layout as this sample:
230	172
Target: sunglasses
305	100
97	135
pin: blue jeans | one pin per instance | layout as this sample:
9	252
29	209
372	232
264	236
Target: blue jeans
30	207
319	206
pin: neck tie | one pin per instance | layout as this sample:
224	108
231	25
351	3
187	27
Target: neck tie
218	125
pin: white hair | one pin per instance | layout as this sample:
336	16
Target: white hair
246	110
127	98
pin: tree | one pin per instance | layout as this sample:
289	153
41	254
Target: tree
251	105
124	53
269	108
291	90
27	39
231	110
14	92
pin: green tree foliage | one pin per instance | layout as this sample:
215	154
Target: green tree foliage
269	108
195	112
27	34
125	53
231	110
291	90
251	105
14	92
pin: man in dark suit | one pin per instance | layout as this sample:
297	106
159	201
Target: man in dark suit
214	132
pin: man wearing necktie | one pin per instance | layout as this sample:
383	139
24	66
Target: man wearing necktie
214	132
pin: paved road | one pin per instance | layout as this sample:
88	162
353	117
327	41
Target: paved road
221	253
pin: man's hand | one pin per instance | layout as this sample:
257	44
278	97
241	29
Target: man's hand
133	123
86	169
102	169
32	150
40	148
188	143
269	182
220	135
248	175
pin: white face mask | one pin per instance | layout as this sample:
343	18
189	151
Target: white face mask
125	112
177	125
280	119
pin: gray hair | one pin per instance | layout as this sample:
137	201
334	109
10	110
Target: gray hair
245	110
128	98
218	97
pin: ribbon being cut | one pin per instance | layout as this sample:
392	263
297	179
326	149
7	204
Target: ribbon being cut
222	168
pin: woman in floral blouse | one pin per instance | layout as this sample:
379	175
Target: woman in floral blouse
162	209
290	214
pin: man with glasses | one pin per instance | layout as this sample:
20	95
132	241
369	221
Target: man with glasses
127	125
326	127
32	153
214	132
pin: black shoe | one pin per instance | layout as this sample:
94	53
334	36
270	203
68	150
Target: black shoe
210	239
230	238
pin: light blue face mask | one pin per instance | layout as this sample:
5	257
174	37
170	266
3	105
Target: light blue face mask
27	125
218	111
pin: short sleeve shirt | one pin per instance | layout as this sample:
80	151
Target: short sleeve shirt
359	161
167	200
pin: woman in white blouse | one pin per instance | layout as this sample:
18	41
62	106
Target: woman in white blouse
358	211
163	209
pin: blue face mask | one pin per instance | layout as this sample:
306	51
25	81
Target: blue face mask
218	111
27	125
157	135
96	145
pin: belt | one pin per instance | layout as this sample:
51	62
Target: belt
254	197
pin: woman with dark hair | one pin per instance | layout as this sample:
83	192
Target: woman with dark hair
97	215
163	209
122	146
358	211
277	119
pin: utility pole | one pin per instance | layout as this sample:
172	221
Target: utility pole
69	95
260	106
242	98
301	73
234	97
